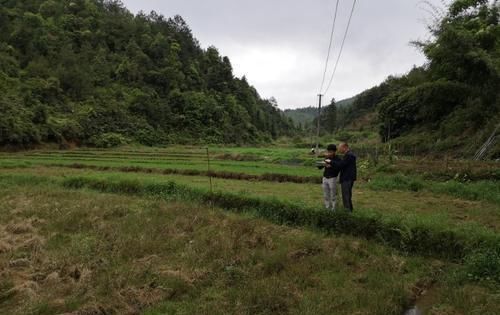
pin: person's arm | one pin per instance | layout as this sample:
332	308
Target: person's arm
327	163
348	160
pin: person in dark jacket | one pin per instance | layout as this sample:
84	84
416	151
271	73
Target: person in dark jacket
348	174
330	175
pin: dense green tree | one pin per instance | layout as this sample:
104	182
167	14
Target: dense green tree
330	117
90	72
459	89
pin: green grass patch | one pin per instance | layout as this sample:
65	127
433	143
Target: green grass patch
421	239
270	177
426	207
412	237
251	168
480	190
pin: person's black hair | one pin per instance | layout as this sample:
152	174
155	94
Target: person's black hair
332	147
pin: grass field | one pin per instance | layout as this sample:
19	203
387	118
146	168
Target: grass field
142	231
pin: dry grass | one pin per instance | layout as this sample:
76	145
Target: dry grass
87	253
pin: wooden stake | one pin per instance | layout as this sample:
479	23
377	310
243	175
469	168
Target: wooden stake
209	173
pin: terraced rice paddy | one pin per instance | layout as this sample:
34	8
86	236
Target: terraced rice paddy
147	231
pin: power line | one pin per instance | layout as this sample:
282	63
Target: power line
341	47
330	46
324	75
336	63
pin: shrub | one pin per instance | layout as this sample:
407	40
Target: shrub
483	265
108	140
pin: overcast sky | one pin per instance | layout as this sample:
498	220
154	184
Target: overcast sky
281	45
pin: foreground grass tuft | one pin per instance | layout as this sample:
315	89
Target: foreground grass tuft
113	254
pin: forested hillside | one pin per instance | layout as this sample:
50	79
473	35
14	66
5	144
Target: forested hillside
90	72
450	103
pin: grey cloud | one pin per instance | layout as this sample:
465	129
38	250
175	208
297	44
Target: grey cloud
280	45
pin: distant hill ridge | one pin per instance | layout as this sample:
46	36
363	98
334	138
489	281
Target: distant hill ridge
307	114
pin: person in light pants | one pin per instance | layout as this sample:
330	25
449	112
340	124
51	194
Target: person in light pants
330	192
330	175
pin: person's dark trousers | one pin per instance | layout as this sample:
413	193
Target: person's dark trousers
347	194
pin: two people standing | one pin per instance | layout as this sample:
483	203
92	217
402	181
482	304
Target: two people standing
333	166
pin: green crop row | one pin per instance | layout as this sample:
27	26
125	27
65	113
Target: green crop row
236	167
480	190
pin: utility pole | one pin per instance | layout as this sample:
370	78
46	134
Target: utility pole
319	124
